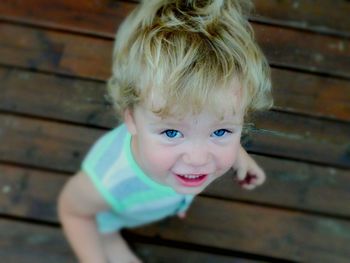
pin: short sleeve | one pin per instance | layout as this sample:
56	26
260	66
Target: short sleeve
100	160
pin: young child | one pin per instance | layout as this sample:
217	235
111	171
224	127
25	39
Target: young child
185	75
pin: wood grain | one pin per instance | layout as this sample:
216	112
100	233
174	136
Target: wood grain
327	16
252	229
90	57
311	95
30	141
53	67
259	230
29	243
55	52
85	101
291	185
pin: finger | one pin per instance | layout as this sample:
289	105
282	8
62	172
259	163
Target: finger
260	176
241	174
258	172
181	215
250	182
261	179
249	179
248	186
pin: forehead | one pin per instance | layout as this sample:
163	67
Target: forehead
222	102
203	120
223	110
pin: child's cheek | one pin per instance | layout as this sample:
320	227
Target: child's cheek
228	157
160	158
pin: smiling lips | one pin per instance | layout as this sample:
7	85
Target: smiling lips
191	180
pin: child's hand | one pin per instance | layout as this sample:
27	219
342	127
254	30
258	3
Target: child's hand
248	172
181	215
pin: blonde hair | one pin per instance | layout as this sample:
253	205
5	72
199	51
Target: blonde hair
188	52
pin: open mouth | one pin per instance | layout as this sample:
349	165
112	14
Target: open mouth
191	180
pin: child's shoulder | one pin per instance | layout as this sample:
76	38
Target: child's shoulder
111	138
105	152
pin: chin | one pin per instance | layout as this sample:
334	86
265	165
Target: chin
188	190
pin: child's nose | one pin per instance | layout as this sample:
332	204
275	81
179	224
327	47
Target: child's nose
196	155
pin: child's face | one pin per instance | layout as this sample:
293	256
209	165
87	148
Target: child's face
186	154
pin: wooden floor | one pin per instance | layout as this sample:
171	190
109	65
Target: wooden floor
54	60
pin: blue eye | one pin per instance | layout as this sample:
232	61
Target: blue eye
172	134
220	133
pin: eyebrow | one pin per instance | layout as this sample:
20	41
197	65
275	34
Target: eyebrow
166	123
181	124
230	123
171	121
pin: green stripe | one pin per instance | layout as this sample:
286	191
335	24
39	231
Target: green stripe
105	194
145	197
89	164
103	144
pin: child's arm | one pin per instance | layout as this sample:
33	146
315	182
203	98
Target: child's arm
248	172
77	205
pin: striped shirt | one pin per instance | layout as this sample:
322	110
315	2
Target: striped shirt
133	197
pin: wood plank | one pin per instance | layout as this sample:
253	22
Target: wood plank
90	57
100	18
160	254
256	230
21	242
31	141
325	16
328	16
290	184
44	144
302	50
311	95
263	231
61	98
300	138
30	193
24	242
56	52
85	101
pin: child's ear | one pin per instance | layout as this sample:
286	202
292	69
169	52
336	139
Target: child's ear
129	121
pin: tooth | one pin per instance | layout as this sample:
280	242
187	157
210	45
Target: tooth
191	176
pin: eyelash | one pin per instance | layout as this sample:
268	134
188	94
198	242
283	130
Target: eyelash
170	132
226	132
